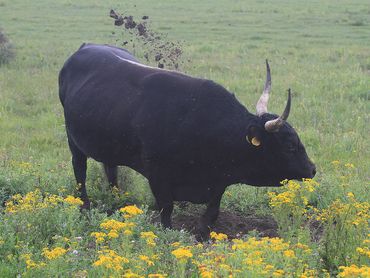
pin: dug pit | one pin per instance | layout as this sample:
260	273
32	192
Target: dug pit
231	223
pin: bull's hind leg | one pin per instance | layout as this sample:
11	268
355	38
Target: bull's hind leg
111	173
79	162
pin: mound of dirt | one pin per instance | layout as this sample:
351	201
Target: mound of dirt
157	48
233	224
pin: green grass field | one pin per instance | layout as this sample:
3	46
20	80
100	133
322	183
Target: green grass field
320	49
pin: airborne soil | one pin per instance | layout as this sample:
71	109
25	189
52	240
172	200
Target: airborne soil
137	33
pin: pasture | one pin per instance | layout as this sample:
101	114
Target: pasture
320	49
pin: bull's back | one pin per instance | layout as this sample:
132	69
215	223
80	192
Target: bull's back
92	63
100	94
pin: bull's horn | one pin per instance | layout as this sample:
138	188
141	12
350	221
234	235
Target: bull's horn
262	102
274	125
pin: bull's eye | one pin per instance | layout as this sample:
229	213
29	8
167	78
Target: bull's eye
254	141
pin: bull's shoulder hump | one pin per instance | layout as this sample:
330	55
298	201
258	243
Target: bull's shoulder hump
171	79
215	88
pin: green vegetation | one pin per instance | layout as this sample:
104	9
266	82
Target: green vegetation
320	49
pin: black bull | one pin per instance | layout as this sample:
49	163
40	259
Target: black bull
188	136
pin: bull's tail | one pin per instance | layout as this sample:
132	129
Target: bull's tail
61	91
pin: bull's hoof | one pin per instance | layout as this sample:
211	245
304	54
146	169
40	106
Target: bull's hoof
203	234
202	237
166	225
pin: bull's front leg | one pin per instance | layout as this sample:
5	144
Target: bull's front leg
161	189
211	214
166	211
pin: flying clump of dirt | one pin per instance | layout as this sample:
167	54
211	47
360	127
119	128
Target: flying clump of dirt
157	48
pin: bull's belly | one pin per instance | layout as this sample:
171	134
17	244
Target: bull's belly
106	147
196	195
108	155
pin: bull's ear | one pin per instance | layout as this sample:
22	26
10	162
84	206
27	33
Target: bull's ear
253	136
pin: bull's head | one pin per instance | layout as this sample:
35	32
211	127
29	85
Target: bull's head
281	155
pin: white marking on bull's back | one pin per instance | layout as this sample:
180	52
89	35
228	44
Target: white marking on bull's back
142	65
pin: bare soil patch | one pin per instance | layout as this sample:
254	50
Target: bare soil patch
233	224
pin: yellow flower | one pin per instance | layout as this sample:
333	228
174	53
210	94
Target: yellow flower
218	236
278	273
310	185
182	253
206	274
349	165
146	259
302	246
73	201
156	275
54	253
364	251
35	200
354	271
113	234
289	253
225	267
269	267
127	232
32	200
99	236
110	259
149	236
25	165
130	274
309	273
250	261
131	211
52	200
113	224
350	195
29	262
199	246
